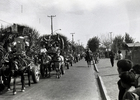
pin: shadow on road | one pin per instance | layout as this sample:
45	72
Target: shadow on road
103	67
109	75
81	66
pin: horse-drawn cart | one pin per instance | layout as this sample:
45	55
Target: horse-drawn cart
34	66
21	58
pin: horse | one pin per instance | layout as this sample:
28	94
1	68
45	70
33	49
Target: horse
59	63
88	58
45	65
68	59
96	58
4	71
4	77
18	66
70	56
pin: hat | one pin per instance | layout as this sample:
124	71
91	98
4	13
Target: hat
124	64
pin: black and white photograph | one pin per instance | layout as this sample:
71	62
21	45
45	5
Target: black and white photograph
69	49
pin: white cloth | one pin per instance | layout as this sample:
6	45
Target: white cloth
62	59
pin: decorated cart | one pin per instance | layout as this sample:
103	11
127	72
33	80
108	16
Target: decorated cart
19	39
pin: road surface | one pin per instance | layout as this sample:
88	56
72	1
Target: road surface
78	83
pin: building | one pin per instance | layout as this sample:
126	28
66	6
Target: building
133	52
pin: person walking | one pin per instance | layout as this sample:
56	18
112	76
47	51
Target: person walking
112	56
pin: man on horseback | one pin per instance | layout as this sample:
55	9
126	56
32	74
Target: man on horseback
59	63
88	57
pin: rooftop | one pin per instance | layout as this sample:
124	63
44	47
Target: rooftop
133	44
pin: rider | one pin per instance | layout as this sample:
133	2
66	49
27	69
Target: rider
43	49
88	57
60	58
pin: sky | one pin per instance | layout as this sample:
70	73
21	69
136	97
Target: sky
85	18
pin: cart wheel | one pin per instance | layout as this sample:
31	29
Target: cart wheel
35	74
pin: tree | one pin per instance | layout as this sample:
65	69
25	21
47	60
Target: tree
118	43
93	44
106	41
128	39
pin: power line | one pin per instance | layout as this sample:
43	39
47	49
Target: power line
21	8
5	21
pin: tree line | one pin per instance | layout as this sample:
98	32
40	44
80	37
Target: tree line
118	43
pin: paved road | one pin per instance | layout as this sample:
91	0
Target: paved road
78	83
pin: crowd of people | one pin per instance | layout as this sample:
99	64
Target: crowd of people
129	82
129	77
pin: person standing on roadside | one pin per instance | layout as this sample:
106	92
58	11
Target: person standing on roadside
123	65
112	56
128	82
120	56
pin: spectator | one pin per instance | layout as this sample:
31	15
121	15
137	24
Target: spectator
120	56
136	70
123	66
128	81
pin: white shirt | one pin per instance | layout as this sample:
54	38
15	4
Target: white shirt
120	56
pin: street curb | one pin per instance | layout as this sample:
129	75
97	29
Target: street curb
95	67
102	88
101	85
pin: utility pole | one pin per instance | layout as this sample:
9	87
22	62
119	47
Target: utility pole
79	42
72	37
21	8
111	36
39	20
52	23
